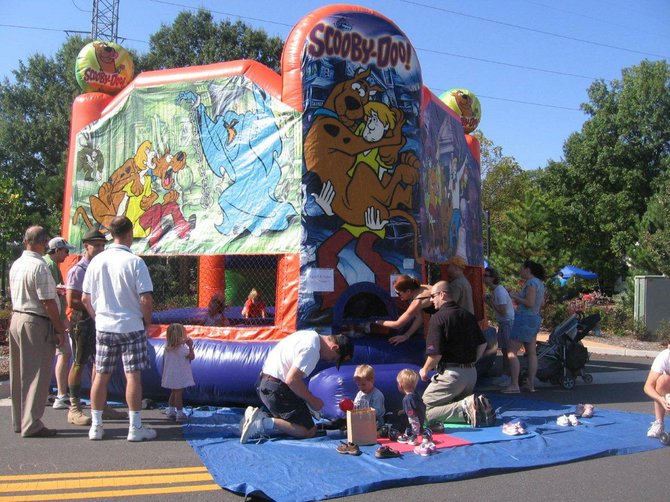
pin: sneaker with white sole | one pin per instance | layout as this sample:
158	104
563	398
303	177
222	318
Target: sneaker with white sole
251	424
425	449
572	419
180	416
171	414
96	433
136	434
657	428
61	403
563	421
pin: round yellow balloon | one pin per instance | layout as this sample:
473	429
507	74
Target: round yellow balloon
466	105
104	67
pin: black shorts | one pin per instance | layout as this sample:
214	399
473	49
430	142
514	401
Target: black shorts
83	341
283	403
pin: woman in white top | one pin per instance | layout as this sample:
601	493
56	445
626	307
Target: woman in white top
501	303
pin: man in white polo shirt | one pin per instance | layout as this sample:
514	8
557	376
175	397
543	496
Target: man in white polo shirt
118	294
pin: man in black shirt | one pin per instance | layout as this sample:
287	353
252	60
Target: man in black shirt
454	344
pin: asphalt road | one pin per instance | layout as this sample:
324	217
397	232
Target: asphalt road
71	466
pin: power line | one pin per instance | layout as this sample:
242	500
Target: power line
490	61
437	90
533	30
224	13
64	30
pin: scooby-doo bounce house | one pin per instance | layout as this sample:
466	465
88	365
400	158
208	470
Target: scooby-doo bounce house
339	174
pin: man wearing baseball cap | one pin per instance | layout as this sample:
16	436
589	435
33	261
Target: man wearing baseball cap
460	290
282	387
82	331
57	250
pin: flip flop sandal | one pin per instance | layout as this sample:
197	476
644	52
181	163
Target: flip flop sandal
349	449
387	452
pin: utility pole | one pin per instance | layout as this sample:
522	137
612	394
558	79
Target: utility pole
105	20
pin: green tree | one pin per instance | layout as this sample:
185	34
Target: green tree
34	125
504	183
530	237
612	167
195	39
652	252
14	218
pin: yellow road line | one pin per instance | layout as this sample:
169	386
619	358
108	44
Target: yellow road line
93	474
107	481
111	493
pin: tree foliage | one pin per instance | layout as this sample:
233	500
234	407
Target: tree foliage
652	253
612	167
34	125
195	39
530	236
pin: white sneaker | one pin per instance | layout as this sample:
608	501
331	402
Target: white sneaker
656	429
96	432
171	414
141	434
180	416
572	419
252	423
61	403
563	421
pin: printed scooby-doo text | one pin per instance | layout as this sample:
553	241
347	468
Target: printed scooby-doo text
111	79
328	40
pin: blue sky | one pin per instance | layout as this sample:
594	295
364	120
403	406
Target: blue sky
529	61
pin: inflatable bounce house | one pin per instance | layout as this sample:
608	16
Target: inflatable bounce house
324	183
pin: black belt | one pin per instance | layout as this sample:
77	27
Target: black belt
459	365
31	313
270	378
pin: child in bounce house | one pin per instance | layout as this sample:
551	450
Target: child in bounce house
368	395
177	373
216	308
657	387
254	306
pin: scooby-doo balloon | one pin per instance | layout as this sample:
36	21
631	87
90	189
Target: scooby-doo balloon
103	67
466	105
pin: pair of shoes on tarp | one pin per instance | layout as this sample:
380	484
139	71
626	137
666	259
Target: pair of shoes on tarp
566	420
514	428
387	452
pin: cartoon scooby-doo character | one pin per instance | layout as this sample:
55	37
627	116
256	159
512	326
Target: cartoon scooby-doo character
354	161
156	217
90	161
244	147
112	197
106	56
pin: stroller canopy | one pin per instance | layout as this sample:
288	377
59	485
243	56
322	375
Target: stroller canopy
570	271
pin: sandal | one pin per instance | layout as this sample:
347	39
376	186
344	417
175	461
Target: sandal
349	449
387	452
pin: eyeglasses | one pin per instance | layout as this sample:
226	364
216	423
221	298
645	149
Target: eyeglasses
432	295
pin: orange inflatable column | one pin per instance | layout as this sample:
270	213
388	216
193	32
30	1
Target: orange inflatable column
474	146
288	284
211	277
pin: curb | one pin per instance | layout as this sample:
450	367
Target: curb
621	351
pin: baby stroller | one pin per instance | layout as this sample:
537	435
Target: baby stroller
563	357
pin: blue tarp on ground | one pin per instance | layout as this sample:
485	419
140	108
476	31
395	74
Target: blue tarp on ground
296	470
570	271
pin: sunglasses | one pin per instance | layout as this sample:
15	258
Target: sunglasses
433	295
